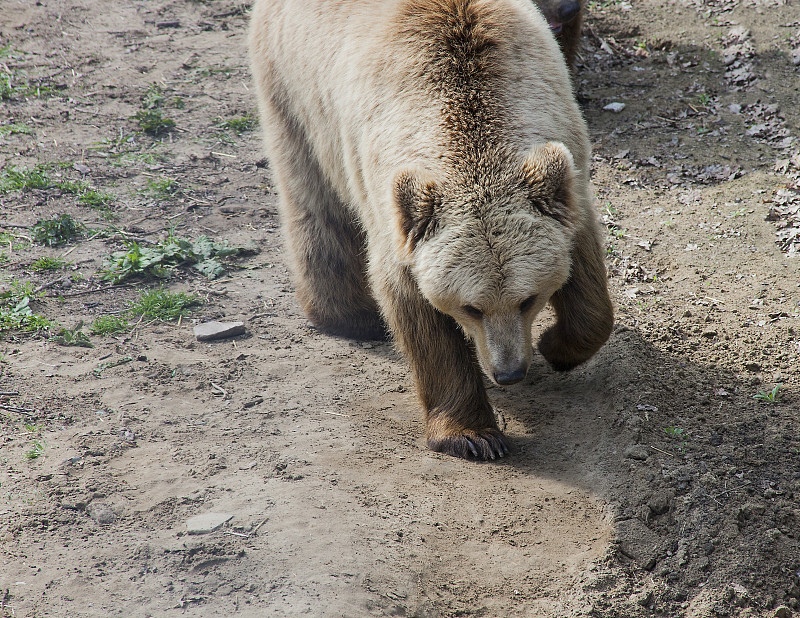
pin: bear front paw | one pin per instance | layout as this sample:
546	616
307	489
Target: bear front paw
482	444
562	355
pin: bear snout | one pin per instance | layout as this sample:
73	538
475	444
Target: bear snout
568	10
509	377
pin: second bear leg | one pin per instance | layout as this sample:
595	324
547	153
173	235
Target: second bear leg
584	314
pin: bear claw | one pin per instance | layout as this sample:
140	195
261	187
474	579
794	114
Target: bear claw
488	444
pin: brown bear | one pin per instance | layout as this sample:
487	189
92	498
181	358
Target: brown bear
565	18
432	168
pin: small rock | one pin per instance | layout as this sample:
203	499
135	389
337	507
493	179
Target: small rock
639	543
614	107
754	367
126	435
209	331
735	108
782	612
207	522
637	451
715	439
101	513
659	503
709	334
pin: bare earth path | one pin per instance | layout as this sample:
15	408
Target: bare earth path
650	482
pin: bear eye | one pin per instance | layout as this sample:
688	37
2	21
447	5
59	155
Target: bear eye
528	303
473	312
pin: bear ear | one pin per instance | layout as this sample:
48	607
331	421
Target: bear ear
549	174
417	197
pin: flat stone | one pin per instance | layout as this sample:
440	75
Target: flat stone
637	451
209	331
207	522
639	543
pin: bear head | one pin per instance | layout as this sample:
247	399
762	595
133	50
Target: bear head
490	255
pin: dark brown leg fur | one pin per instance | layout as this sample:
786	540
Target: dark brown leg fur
459	420
583	308
570	39
325	245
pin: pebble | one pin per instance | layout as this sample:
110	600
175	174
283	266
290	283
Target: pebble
782	612
207	522
659	503
637	451
614	107
209	331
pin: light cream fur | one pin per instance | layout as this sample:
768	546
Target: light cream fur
432	165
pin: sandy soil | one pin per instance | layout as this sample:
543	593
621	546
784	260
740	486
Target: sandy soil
650	482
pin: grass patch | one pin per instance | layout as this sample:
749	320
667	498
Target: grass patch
16	313
24	179
73	337
164	305
768	396
37	445
12	87
15	129
153	123
164	188
240	125
14	179
58	231
109	325
202	254
48	263
95	199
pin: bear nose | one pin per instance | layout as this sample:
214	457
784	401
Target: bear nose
567	11
506	378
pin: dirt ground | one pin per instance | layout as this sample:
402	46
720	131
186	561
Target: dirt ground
650	482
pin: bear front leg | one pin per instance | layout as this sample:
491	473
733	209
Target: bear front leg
583	308
459	420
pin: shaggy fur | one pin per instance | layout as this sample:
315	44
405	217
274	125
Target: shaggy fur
432	169
565	18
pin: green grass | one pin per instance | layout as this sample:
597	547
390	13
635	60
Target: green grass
109	325
152	122
36	443
58	231
675	432
201	254
13	87
15	179
240	125
24	179
14	129
768	396
95	199
164	305
15	310
48	263
73	337
164	188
